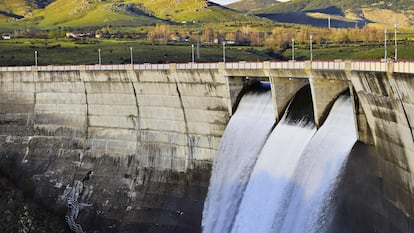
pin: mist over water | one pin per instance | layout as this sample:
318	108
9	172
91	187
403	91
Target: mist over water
291	186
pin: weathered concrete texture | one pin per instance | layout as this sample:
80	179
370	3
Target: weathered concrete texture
149	138
60	105
385	101
324	94
16	103
364	206
235	86
283	90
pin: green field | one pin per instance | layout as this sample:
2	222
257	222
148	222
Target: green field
50	52
353	52
19	52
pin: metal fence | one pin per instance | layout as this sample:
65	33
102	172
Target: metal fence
400	66
328	65
290	65
404	67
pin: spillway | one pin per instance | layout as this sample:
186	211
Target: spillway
291	185
242	141
318	173
275	167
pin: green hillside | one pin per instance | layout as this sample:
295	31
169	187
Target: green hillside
18	9
52	14
343	5
344	13
191	10
252	5
91	13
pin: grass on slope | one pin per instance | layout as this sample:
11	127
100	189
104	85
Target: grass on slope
84	13
252	5
14	7
198	10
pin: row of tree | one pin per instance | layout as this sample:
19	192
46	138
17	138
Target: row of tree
275	39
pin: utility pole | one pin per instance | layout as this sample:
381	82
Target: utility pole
395	41
132	57
35	53
224	51
329	22
198	45
385	44
99	57
293	49
311	55
192	53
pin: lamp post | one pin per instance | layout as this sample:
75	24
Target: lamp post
99	57
35	57
198	45
329	22
224	51
385	44
395	41
132	57
293	49
311	55
192	53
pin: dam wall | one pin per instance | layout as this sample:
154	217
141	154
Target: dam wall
142	138
149	137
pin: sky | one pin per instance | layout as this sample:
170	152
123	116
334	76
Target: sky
224	2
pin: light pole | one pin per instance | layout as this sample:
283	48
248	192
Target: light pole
224	51
311	55
385	44
329	22
293	49
198	45
192	53
35	53
395	41
132	57
99	57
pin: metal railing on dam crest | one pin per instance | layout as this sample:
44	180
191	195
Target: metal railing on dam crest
403	66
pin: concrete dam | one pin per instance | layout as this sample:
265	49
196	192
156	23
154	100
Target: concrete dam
129	148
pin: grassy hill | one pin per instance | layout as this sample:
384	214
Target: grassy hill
344	13
13	9
191	10
252	5
17	9
91	13
52	14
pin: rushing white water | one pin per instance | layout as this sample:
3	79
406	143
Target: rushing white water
272	175
291	187
318	173
242	141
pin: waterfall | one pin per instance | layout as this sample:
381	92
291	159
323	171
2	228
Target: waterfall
274	171
242	141
292	184
310	204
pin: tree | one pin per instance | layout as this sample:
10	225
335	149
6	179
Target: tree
159	33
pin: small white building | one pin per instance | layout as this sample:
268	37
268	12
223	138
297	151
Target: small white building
6	37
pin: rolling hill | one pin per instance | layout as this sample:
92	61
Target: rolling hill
51	14
343	13
252	5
